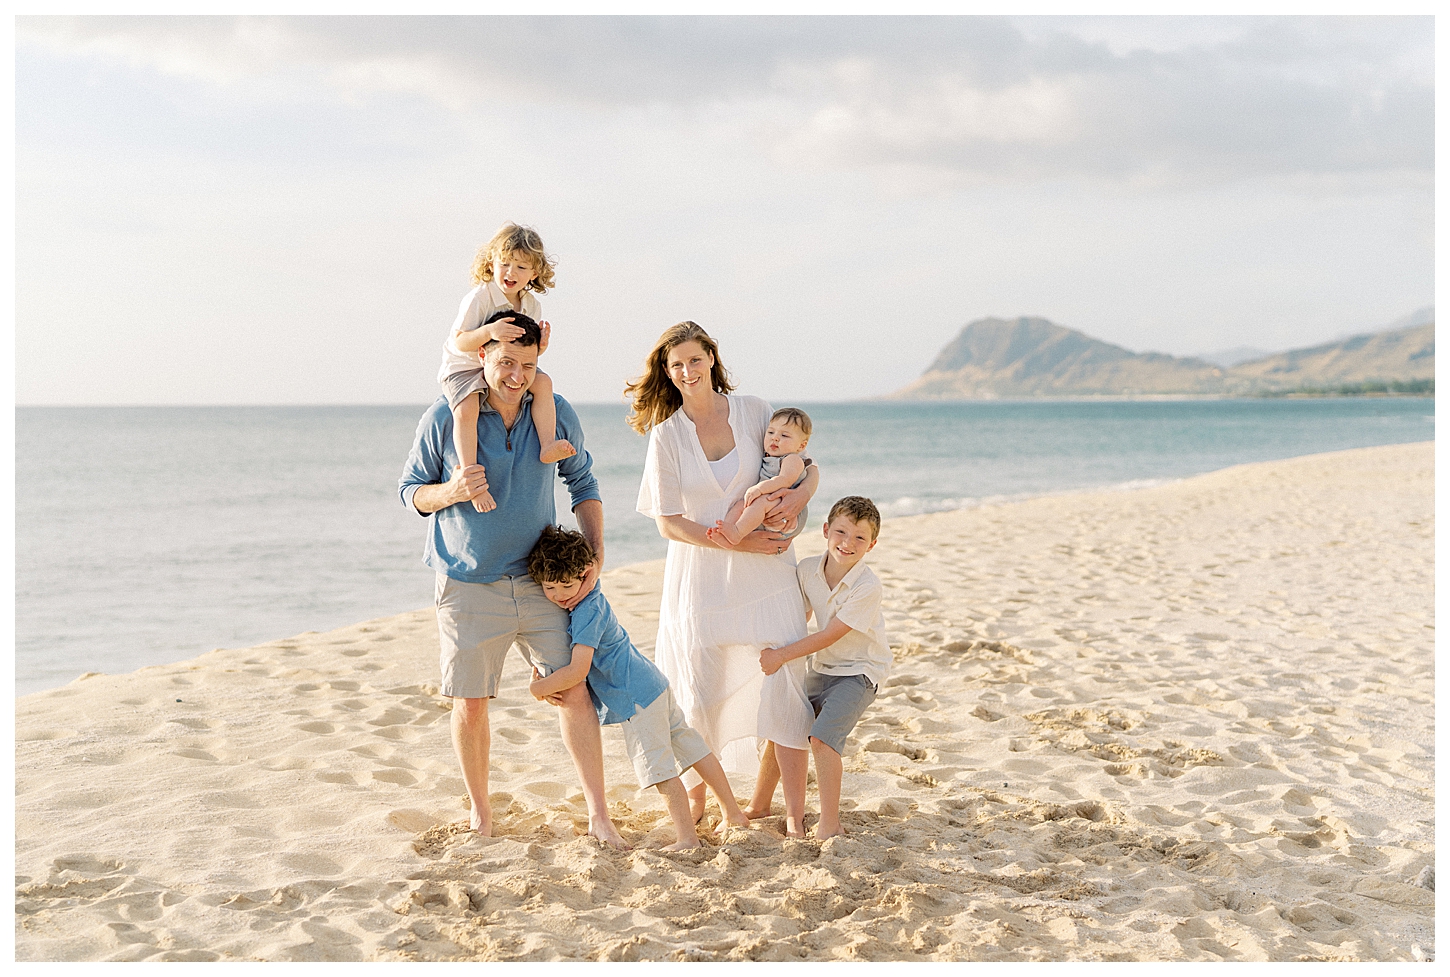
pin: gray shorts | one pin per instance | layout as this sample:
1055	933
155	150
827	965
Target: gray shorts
457	386
479	622
839	701
660	743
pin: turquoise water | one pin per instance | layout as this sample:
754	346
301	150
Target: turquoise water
186	529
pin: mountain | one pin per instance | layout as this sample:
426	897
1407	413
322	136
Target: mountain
1032	357
1233	357
1404	354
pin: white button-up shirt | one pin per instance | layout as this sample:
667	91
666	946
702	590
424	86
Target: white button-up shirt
856	602
477	306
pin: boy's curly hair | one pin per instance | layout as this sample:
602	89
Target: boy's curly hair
856	508
560	554
515	239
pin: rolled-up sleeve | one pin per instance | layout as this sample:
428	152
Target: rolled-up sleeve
659	488
425	460
577	470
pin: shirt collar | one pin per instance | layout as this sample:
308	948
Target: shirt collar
849	580
486	408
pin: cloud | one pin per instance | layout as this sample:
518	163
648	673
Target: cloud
1177	100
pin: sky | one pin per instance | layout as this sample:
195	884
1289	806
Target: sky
267	210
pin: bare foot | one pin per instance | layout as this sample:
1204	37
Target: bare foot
557	451
483	502
741	822
697	803
823	832
480	820
683	845
795	827
755	814
603	829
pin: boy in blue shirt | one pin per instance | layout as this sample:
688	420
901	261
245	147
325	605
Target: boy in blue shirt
626	687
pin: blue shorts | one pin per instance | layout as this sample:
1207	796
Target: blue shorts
839	701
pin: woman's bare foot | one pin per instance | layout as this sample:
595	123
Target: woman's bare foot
604	830
558	451
483	502
480	820
697	803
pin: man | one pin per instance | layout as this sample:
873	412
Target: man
486	600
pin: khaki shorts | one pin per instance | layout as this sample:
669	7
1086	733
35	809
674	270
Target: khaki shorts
660	743
479	622
457	386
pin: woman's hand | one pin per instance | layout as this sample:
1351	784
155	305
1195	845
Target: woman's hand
789	503
763	541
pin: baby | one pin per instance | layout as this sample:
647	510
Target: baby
505	271
626	687
783	467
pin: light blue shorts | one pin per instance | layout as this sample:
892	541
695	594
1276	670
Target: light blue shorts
839	701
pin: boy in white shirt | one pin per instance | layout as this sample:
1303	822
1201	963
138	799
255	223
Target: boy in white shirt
851	655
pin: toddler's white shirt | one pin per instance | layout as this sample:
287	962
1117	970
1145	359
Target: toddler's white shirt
477	306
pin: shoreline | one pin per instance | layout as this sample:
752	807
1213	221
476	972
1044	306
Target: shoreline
1182	722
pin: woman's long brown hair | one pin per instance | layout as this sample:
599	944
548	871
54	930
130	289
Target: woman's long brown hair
654	396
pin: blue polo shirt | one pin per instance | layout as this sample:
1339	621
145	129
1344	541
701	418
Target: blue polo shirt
620	678
481	547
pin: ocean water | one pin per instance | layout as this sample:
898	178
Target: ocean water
146	535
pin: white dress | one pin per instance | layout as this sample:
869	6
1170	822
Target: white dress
720	607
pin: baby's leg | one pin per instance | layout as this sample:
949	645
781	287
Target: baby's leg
828	781
679	804
465	441
749	519
546	421
793	766
710	771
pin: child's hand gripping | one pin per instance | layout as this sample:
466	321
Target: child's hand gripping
771	659
552	698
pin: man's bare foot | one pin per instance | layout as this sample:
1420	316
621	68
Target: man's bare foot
557	451
480	821
795	827
604	830
483	502
823	831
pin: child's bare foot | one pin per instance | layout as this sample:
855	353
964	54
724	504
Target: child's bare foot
824	831
483	502
720	535
604	830
558	451
684	844
743	821
795	827
755	814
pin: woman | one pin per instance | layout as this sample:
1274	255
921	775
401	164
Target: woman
720	606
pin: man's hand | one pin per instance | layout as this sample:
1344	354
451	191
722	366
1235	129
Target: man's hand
771	659
591	577
466	483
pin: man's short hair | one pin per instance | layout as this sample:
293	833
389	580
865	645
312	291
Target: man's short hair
532	333
796	416
856	508
560	554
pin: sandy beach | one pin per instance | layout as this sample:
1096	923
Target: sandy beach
1188	722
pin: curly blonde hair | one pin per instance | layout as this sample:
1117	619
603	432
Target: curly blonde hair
515	239
654	396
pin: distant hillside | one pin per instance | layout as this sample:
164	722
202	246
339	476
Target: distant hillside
1405	354
1032	357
